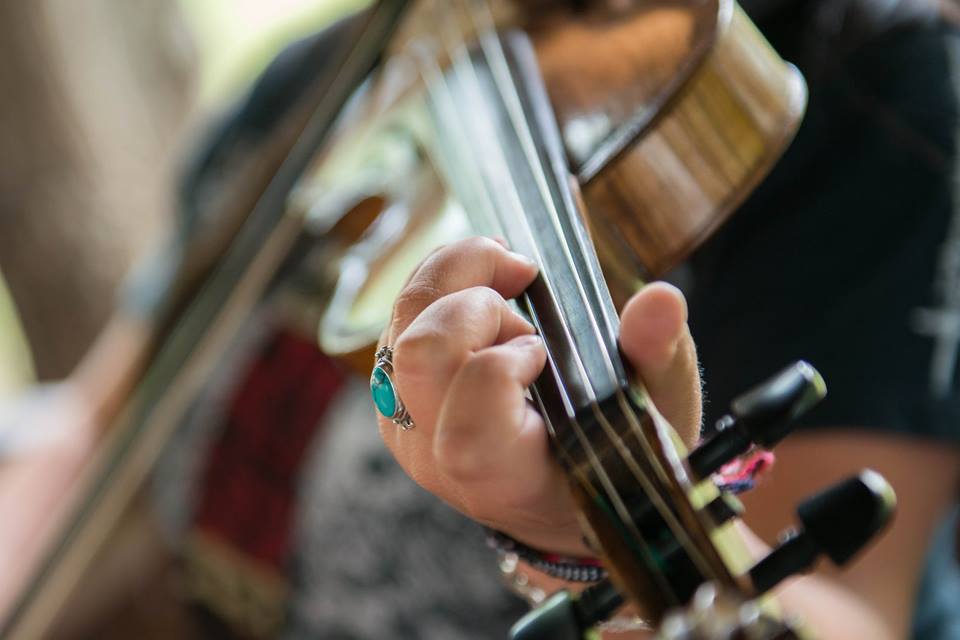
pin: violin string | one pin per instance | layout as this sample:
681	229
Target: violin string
486	141
466	182
485	146
497	61
455	126
445	102
586	445
497	184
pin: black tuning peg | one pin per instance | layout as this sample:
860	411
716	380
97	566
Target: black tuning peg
569	617
837	523
724	507
762	416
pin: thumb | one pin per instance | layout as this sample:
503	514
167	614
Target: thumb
656	340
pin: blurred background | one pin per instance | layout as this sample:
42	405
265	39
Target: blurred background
105	101
116	91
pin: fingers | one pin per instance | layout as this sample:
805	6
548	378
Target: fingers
655	338
492	449
452	307
486	417
475	262
462	361
441	339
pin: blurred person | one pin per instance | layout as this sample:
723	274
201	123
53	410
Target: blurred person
97	95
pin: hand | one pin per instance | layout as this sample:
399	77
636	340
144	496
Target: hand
462	362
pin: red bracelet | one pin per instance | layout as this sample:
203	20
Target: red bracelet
740	475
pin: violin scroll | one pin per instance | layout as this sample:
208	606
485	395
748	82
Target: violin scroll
836	523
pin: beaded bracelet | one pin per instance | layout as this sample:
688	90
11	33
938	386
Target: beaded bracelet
519	582
551	564
736	477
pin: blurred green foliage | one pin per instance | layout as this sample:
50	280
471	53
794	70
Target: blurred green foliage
236	39
16	369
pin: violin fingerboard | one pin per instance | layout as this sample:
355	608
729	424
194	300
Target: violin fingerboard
613	444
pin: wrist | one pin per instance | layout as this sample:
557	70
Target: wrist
561	540
585	568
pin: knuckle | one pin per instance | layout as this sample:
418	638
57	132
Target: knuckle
483	304
476	247
488	367
433	276
481	245
418	351
429	342
469	250
414	298
486	295
471	306
460	463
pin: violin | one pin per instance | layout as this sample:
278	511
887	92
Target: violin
605	140
604	179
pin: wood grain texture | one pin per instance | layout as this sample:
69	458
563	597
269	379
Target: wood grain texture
709	149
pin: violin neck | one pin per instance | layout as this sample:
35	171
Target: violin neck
521	189
511	174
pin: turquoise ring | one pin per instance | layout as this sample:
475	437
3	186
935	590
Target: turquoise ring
384	391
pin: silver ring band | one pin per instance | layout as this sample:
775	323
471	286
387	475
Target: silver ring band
384	390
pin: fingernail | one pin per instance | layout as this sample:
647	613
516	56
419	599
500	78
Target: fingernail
525	259
527	342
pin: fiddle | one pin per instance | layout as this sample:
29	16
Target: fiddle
392	198
644	500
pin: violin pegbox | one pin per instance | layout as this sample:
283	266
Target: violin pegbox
761	417
837	522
